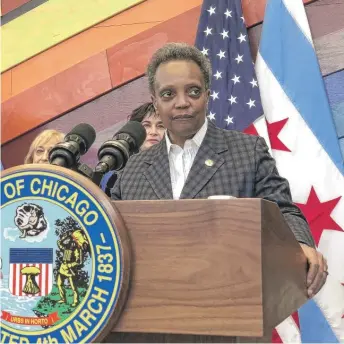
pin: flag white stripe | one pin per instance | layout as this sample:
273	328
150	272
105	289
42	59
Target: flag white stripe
23	279
37	280
297	11
17	278
328	301
50	277
45	268
332	246
289	331
11	274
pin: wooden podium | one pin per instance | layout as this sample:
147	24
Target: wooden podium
198	270
209	271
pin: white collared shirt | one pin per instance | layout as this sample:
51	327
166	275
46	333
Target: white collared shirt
181	159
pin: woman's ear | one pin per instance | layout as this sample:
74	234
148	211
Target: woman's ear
208	94
153	98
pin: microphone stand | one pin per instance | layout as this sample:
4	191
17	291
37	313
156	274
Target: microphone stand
88	172
84	169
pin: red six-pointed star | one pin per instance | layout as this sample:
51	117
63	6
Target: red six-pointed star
318	214
274	129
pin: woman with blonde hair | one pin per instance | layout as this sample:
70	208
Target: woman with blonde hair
42	145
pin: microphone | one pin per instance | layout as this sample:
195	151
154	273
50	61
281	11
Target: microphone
76	143
114	154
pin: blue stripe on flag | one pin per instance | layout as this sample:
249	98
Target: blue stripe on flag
314	327
297	70
31	255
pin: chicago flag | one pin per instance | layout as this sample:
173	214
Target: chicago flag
304	143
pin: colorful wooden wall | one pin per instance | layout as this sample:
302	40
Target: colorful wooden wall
95	74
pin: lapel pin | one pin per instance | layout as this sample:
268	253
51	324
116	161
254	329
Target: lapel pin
209	162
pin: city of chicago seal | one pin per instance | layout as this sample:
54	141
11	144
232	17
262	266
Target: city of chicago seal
62	263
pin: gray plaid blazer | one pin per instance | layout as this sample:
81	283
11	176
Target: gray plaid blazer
242	167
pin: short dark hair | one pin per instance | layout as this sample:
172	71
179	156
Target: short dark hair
141	112
180	52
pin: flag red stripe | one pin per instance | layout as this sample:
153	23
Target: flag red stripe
276	337
14	278
47	274
295	316
20	280
40	279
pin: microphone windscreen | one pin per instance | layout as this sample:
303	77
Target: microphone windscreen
86	131
135	130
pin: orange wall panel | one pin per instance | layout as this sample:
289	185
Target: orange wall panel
55	96
113	31
152	11
64	56
6	85
129	59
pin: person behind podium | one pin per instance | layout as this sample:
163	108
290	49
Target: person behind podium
151	121
197	160
42	145
155	130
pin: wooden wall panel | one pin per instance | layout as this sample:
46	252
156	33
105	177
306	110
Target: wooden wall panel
60	58
124	61
15	110
106	114
109	33
330	51
55	96
335	90
60	19
9	5
19	11
6	85
327	16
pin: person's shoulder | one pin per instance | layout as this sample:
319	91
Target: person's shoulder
234	137
147	155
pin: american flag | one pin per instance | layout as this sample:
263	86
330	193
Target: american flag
222	36
40	258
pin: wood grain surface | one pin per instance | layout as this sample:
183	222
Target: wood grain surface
197	268
284	268
189	274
